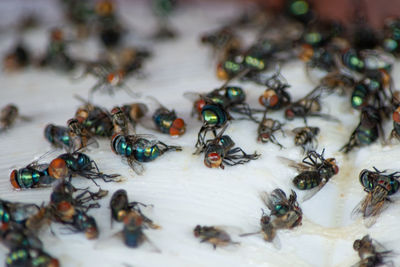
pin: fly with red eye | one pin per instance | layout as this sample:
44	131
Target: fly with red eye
221	150
396	124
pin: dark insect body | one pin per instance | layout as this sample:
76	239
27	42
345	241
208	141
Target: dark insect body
285	213
316	171
56	55
371	253
221	150
60	137
32	176
213	116
17	59
266	130
137	149
213	235
306	137
15	212
167	122
367	131
76	163
120	207
379	187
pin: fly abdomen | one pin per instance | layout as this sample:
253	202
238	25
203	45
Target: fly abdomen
301	138
307	180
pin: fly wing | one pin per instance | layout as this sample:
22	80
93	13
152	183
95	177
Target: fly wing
136	166
21	211
310	193
149	137
192	96
374	211
276	197
34	164
300	167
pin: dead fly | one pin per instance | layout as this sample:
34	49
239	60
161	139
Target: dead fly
371	253
221	150
379	187
266	130
8	115
315	172
305	137
213	235
285	213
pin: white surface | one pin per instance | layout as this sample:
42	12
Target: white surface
183	191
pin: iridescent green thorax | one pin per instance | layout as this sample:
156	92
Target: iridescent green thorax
28	177
235	94
4	213
77	162
254	62
213	115
366	136
313	38
57	135
145	151
359	96
391	45
353	61
226	142
299	7
232	67
163	119
307	180
17	257
121	146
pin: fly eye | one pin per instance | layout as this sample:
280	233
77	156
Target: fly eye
110	77
270	98
264	136
115	110
213	160
196	231
396	115
58	168
336	169
72	121
289	114
281	209
365	180
13	179
200	104
177	128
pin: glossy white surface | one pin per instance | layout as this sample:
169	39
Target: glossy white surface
183	191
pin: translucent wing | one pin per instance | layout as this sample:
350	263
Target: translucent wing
133	139
310	193
148	123
368	210
275	198
21	211
192	96
35	164
136	166
300	167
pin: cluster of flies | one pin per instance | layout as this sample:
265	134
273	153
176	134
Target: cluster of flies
356	61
